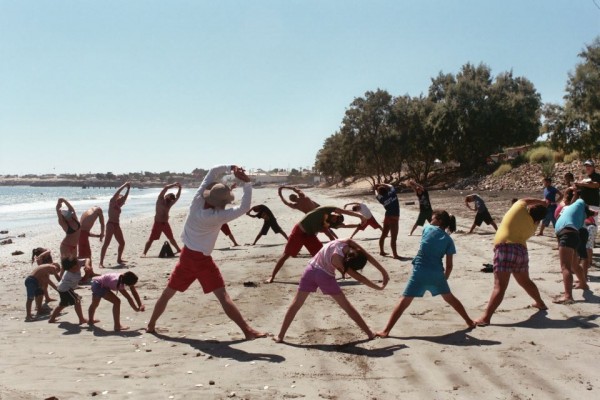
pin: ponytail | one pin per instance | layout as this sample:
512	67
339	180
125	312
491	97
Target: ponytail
447	221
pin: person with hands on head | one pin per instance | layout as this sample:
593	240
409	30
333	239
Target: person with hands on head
67	219
428	269
305	233
344	256
206	215
387	196
298	200
161	217
88	219
113	227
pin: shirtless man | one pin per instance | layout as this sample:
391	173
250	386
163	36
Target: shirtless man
37	284
112	227
161	218
301	202
88	219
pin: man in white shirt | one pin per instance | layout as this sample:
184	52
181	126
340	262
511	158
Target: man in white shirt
207	214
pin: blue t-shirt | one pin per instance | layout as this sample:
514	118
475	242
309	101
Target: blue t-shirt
390	203
435	244
550	194
572	216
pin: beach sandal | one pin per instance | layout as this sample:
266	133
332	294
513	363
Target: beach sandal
487	268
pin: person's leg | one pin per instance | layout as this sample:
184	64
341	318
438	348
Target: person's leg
473	226
566	255
396	314
169	234
293	309
28	316
235	244
55	313
110	230
234	314
355	232
121	240
48	299
542	227
116	302
92	310
394	234
493	223
352	313
79	312
159	308
501	280
257	237
526	283
147	246
284	235
384	233
278	266
413	229
587	263
38	304
458	307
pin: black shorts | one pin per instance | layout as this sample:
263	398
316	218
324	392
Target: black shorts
583	238
271	223
483	216
568	238
68	298
424	215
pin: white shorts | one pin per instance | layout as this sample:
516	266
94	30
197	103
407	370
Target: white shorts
592	231
597	210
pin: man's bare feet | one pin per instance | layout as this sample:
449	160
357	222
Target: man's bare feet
29	318
539	306
383	253
121	328
252	334
101	265
269	280
382	334
482	321
49	299
563	300
52	320
397	257
471	324
121	261
83	321
277	339
93	321
580	286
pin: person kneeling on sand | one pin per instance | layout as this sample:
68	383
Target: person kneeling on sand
37	285
511	256
345	256
103	287
66	289
206	215
428	270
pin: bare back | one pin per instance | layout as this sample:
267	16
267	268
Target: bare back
42	274
305	204
89	217
162	210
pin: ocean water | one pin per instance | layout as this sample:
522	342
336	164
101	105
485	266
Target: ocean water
27	208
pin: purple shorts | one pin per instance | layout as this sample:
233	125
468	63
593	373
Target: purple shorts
314	278
98	290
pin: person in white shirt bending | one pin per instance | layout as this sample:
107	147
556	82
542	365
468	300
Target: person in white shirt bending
207	214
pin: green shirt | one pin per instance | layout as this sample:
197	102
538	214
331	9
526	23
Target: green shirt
312	223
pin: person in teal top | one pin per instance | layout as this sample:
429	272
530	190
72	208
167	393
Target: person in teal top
428	269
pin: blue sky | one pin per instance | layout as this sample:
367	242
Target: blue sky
125	86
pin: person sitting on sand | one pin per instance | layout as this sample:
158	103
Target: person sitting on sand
363	209
37	285
428	269
305	232
206	216
387	196
511	256
425	209
483	215
270	222
161	217
567	228
103	287
67	219
66	289
113	227
345	256
552	196
43	256
88	219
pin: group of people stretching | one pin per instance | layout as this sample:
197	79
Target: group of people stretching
208	213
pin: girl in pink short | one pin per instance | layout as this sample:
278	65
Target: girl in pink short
103	287
345	256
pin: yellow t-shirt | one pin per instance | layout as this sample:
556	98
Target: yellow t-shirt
517	225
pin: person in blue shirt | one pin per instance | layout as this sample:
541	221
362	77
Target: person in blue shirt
387	196
550	196
483	215
428	269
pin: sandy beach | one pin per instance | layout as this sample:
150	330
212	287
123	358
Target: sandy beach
524	354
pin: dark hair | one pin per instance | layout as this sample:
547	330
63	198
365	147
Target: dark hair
128	278
569	175
356	261
68	263
339	220
356	207
569	195
36	252
548	179
293	197
448	221
514	200
383	190
538	212
589	212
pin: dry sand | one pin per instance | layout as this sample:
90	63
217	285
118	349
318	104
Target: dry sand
524	355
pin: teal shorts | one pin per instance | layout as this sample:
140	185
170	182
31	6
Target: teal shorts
419	283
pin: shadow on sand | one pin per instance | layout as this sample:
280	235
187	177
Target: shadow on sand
352	348
458	338
540	320
223	349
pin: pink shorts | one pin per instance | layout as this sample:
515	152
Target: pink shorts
194	265
299	238
314	278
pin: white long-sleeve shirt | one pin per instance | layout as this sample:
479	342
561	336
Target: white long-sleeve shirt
202	225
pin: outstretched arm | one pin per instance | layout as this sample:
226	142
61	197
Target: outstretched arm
351	213
178	194
120	189
372	260
530	202
280	193
415	186
351	204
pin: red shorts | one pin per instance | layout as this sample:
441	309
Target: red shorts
161	227
84	245
299	238
194	265
225	229
372	222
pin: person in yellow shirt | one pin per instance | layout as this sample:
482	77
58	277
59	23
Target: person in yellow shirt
510	254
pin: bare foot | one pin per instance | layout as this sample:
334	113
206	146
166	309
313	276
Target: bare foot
471	324
48	300
143	256
278	339
539	234
251	334
580	286
270	280
29	318
482	322
397	257
121	328
52	320
382	334
83	321
101	265
372	335
150	329
383	253
563	300
93	321
539	306
121	261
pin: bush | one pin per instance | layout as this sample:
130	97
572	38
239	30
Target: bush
548	169
573	156
540	155
559	156
518	160
503	169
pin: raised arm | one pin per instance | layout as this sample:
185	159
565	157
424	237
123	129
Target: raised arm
351	204
178	194
449	265
161	196
415	186
351	213
531	202
372	260
468	205
127	186
280	193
